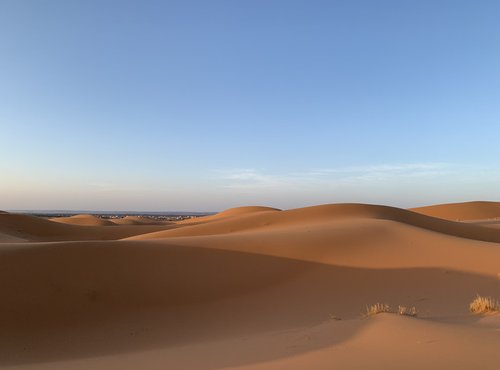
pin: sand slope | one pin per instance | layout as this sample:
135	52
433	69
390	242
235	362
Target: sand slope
38	229
138	220
83	220
228	213
462	211
327	213
264	289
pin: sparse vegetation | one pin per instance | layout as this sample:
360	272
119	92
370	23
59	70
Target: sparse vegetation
407	311
484	305
377	308
385	308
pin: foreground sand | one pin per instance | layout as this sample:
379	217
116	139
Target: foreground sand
252	288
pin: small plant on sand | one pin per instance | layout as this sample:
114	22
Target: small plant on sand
407	311
377	308
484	305
385	308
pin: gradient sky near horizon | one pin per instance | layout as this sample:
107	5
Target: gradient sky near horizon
205	105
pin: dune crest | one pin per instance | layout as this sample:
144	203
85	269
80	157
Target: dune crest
326	213
83	220
231	212
462	211
138	220
33	228
236	211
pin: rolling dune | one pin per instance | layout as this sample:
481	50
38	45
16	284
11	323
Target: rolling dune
238	222
38	229
462	211
83	220
249	288
232	212
138	220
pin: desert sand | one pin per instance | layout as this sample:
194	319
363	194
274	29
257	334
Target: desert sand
252	288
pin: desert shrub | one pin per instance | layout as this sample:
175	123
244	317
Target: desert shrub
407	311
377	308
484	305
385	308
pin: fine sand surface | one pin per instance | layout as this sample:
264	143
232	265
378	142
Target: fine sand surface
139	220
83	220
252	288
462	211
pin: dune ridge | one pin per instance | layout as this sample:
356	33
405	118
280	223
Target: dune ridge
228	213
83	220
39	229
462	211
326	213
138	220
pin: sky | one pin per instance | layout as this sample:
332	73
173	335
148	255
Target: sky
205	105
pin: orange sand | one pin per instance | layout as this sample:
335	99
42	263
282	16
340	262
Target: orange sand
251	288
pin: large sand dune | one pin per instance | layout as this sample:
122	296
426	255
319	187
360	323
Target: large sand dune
462	211
232	212
256	221
249	288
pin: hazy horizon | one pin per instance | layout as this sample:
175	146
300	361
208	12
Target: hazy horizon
203	106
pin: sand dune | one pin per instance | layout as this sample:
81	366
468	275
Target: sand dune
462	211
327	213
231	212
138	220
83	220
38	229
249	288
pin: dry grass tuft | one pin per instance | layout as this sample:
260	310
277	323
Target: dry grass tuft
484	305
377	308
402	310
385	308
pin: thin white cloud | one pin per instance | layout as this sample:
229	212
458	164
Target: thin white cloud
247	178
385	168
386	171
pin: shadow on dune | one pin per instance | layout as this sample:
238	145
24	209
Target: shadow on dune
75	300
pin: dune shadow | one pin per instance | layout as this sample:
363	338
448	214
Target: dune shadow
76	300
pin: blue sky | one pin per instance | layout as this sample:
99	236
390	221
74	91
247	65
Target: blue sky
204	105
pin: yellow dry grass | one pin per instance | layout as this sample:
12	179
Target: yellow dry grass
377	308
484	305
385	308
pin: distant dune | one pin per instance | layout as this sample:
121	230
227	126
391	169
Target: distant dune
83	220
249	288
231	212
138	220
39	229
462	211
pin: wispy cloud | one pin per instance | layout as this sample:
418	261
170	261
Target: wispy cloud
247	178
384	171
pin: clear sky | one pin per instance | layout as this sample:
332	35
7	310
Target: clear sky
204	105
